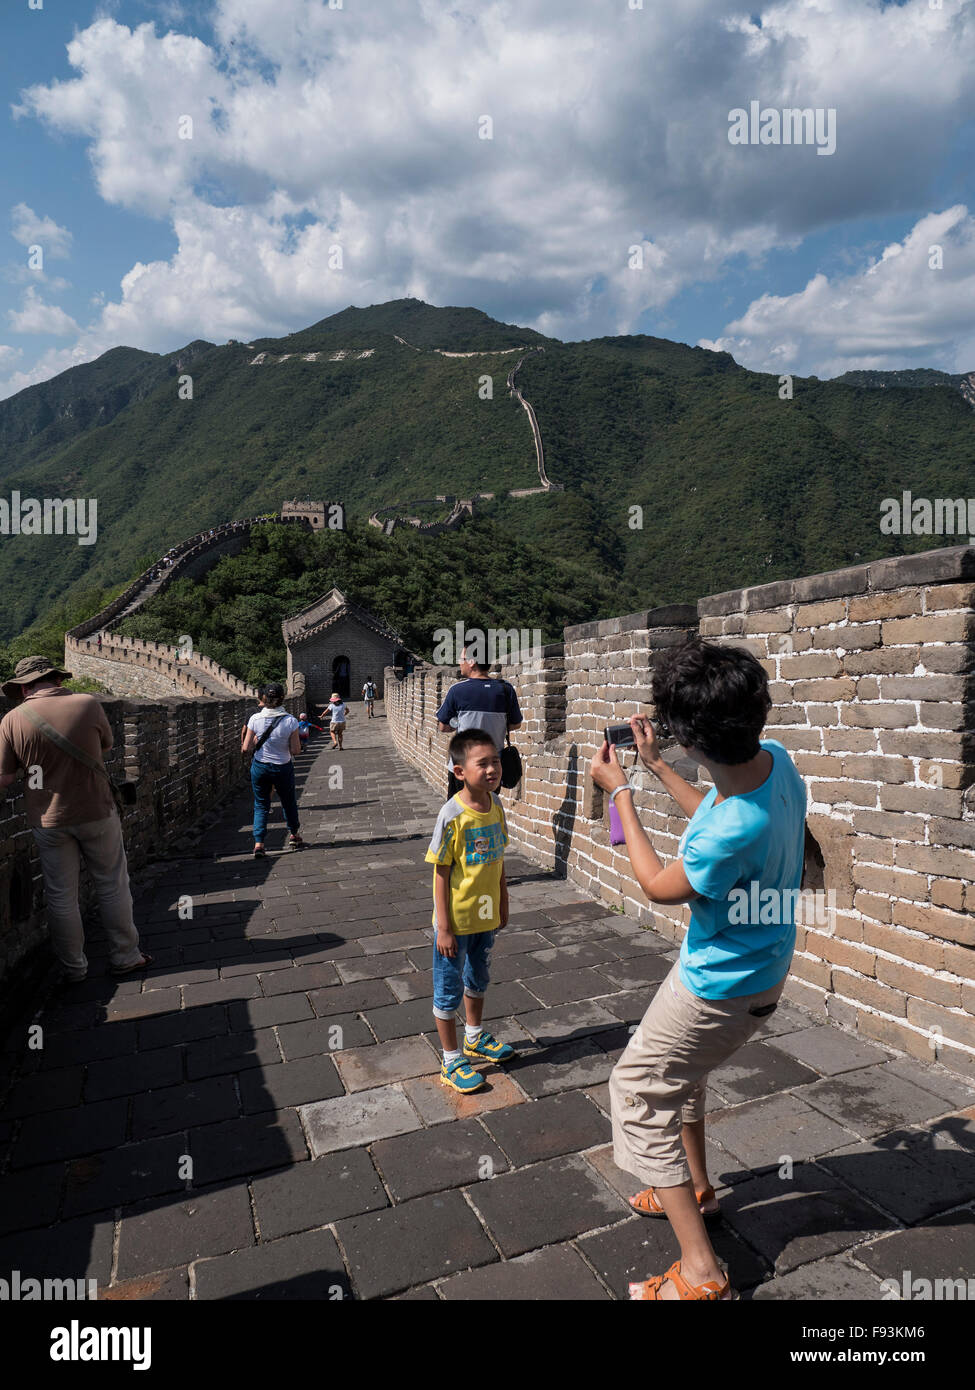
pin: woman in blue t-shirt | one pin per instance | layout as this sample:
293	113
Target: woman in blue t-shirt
743	846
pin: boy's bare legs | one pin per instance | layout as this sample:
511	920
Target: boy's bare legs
447	1027
698	1261
692	1137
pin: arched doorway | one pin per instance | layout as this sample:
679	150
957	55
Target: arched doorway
341	676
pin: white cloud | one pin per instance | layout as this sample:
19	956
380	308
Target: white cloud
358	126
37	317
898	310
30	229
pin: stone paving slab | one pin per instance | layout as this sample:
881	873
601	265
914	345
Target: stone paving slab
248	1145
56	1090
827	1050
350	1120
179	1231
556	1272
292	1017
761	1132
565	1066
412	1243
437	1104
871	1101
945	1249
289	1083
79	1249
755	1070
822	1282
120	1176
170	1285
307	1266
363	1068
799	1216
553	1126
912	1174
544	1204
236	1052
430	1160
564	1022
953	1089
316	1193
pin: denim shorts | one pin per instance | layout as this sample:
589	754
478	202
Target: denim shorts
465	973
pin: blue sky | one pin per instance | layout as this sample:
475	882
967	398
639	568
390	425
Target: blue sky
356	125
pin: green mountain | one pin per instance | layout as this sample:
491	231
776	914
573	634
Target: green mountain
736	485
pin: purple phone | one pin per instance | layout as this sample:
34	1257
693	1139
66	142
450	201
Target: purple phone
616	836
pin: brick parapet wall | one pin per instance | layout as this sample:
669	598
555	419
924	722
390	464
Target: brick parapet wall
189	557
155	670
147	670
872	673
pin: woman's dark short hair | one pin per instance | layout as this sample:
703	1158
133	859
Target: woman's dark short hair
273	693
713	698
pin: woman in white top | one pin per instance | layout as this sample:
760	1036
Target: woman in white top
340	712
272	736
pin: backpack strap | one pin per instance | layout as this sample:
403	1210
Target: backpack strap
74	751
66	745
269	731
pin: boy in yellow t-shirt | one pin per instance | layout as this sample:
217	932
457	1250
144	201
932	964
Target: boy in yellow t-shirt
470	903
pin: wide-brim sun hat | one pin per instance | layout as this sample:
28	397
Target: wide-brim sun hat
27	670
335	699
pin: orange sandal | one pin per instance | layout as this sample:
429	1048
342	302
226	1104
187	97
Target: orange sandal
646	1203
708	1292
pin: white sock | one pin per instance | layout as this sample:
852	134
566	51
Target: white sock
472	1031
450	1056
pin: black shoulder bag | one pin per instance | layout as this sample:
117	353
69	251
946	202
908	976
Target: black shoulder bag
510	764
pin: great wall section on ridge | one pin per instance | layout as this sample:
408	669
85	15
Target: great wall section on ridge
128	666
397	514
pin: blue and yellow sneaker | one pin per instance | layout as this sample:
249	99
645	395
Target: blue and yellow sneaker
459	1075
489	1048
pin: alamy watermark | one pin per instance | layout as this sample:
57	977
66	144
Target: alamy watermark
924	516
757	906
790	126
497	644
17	1289
927	1290
50	516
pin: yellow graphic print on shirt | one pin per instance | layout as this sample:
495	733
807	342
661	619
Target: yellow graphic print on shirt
473	843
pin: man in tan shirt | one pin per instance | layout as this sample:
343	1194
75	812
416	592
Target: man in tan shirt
71	811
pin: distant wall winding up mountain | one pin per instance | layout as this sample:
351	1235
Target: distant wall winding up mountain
736	486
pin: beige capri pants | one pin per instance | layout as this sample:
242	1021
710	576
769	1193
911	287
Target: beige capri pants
659	1082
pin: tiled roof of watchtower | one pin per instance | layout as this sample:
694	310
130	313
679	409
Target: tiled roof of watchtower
328	610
